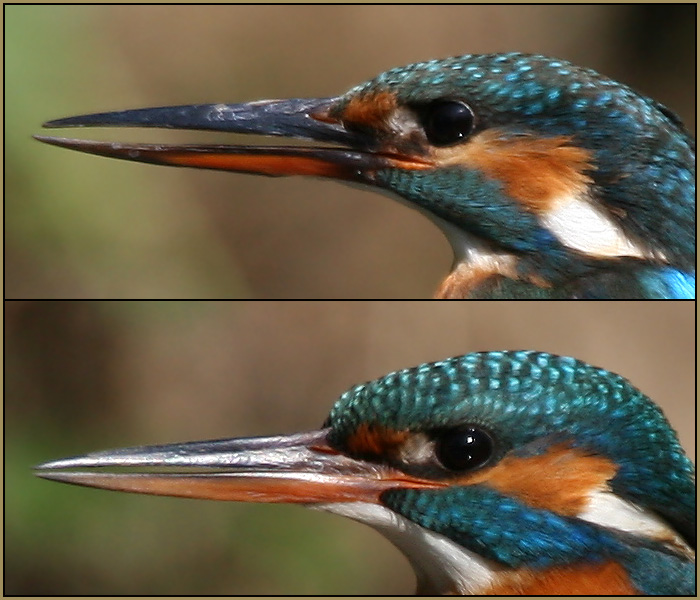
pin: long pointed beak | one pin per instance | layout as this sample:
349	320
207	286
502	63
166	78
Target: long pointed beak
301	468
305	118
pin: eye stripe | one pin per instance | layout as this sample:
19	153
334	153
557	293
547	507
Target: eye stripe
375	440
370	111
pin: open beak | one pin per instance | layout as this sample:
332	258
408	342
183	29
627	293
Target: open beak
305	118
301	468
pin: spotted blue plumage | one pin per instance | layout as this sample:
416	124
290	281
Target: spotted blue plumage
643	167
524	397
587	459
550	181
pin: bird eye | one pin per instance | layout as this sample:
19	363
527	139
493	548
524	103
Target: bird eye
447	122
464	448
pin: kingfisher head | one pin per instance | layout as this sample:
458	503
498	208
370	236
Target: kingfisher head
549	180
494	473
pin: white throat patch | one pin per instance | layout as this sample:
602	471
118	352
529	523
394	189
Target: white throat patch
469	250
441	566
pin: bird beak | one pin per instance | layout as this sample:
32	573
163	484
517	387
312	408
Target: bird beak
301	468
305	118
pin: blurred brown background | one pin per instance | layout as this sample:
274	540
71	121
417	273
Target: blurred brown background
82	376
85	227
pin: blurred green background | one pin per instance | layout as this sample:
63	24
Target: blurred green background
79	226
86	375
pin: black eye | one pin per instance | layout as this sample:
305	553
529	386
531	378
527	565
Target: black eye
447	122
464	448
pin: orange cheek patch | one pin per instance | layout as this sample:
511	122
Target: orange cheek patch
534	171
375	440
370	111
559	480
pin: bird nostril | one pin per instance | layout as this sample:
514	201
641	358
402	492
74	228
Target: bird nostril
324	116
